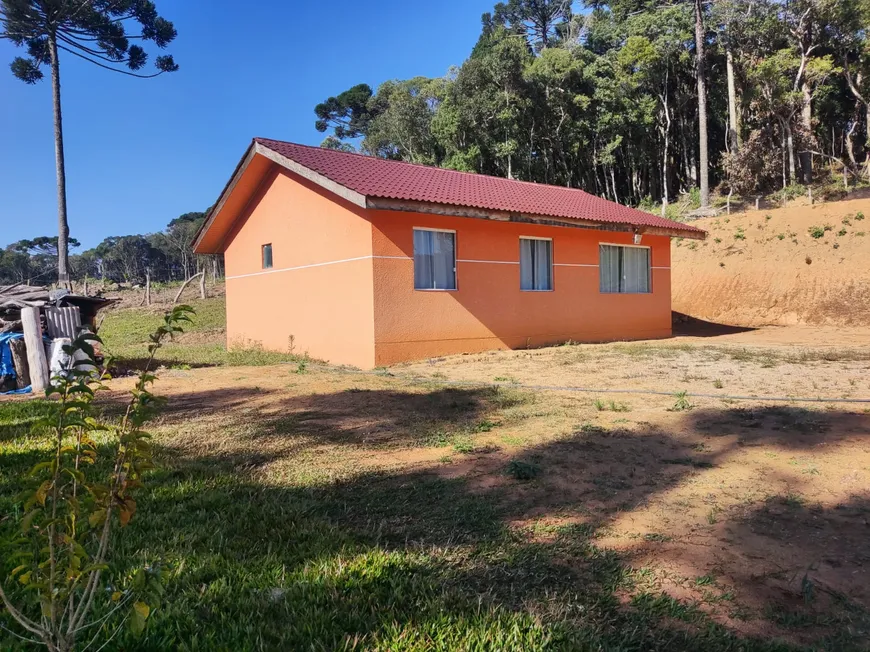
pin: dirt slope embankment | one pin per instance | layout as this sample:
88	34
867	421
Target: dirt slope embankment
766	267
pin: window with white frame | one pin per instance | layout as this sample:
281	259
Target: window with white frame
624	269
434	260
536	264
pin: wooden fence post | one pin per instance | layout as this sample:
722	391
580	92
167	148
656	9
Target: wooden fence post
35	349
202	285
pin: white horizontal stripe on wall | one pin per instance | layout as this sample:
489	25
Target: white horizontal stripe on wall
292	269
492	262
350	260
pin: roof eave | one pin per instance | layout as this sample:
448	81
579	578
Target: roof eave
315	177
242	165
257	148
457	210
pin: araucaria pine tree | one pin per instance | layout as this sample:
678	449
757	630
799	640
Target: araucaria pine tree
107	33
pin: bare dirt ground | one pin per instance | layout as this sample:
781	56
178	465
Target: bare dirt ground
757	512
764	267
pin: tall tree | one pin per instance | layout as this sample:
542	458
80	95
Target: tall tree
402	125
348	114
849	31
704	162
542	22
98	31
614	100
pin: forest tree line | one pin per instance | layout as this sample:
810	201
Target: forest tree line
607	98
164	256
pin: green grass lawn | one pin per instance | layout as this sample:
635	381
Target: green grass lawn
373	560
125	333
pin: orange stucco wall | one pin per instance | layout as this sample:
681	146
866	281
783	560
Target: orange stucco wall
488	310
342	283
325	310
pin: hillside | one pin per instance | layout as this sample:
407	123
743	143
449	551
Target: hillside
794	265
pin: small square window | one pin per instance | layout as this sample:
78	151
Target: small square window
267	256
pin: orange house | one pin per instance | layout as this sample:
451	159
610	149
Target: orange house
368	262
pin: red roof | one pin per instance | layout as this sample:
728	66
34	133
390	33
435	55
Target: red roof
375	177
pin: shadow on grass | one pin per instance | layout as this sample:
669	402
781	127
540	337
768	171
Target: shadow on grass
386	418
415	559
788	426
407	561
817	580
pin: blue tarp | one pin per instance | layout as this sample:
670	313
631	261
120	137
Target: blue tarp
6	368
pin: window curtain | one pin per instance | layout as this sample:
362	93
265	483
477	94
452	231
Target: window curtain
636	269
624	269
434	260
608	266
536	264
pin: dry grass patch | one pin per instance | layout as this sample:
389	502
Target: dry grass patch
389	511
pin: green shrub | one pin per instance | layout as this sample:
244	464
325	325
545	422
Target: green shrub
65	546
740	234
816	232
682	403
790	192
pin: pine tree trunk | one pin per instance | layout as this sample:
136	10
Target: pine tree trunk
867	144
807	123
849	136
734	140
783	148
665	155
792	163
62	222
702	105
613	182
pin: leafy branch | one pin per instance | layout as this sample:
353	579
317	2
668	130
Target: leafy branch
63	543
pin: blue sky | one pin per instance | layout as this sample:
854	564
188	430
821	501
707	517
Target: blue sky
141	152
